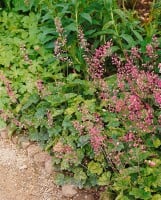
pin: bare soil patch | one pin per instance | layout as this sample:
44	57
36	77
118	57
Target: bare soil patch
20	179
24	177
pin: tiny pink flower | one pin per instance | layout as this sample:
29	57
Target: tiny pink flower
150	50
157	96
159	66
151	163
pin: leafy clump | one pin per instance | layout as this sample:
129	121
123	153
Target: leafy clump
91	98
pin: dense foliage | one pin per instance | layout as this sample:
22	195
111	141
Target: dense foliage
85	84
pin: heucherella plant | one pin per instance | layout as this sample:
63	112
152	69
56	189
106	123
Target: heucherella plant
139	89
102	127
95	61
60	45
128	114
8	87
91	123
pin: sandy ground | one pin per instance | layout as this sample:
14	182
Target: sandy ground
20	179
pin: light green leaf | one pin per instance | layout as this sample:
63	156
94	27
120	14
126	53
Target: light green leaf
56	113
70	111
69	95
156	143
156	197
2	124
140	193
65	165
104	179
95	168
121	196
79	174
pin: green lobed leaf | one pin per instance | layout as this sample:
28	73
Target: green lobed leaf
79	175
83	140
104	179
156	197
31	100
2	123
140	193
156	142
95	168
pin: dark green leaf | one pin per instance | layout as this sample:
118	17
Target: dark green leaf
87	17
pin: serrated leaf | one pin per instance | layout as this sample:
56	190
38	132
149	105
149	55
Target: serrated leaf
122	183
130	170
65	165
54	130
11	129
60	179
140	193
40	113
121	196
69	95
72	76
70	111
79	174
104	179
37	136
2	124
33	99
56	113
156	197
156	143
95	168
111	80
80	177
116	132
114	123
157	183
66	123
83	140
47	16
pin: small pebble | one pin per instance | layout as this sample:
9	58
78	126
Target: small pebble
23	167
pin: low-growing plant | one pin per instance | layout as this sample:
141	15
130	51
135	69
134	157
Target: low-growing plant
102	128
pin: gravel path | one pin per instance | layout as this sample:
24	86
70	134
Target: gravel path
20	179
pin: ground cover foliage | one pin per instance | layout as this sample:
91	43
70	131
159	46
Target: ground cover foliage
85	83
